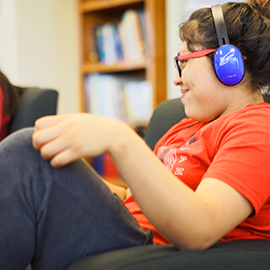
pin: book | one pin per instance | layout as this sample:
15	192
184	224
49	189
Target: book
105	166
93	50
109	168
119	47
109	44
104	96
131	36
99	42
142	20
138	96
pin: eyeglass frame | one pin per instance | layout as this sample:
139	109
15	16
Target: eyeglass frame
196	54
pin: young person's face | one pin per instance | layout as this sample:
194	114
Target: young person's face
203	95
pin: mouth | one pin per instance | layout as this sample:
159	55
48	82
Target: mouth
183	92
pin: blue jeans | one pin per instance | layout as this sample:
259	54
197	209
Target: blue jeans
50	218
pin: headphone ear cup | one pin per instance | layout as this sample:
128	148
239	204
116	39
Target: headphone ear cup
229	65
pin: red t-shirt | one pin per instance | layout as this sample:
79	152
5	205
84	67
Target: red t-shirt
234	148
4	118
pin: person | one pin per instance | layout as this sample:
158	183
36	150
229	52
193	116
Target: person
9	100
207	179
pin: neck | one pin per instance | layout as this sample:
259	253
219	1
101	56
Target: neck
242	99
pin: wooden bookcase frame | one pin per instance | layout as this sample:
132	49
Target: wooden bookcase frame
153	69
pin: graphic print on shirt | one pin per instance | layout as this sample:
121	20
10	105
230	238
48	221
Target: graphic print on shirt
182	159
185	146
169	158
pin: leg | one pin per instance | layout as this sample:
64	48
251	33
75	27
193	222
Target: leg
53	217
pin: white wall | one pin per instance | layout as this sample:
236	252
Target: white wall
8	33
175	10
39	46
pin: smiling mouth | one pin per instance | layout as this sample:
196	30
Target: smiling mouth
184	91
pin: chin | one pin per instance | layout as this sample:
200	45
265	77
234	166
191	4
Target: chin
192	115
198	117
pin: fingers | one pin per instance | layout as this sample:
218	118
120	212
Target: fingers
46	129
47	121
56	140
40	137
63	158
53	147
60	150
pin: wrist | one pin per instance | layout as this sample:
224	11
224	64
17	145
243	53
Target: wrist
123	140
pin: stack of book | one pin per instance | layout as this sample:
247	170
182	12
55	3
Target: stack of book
115	97
124	41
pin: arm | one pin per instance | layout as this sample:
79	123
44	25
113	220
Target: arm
191	220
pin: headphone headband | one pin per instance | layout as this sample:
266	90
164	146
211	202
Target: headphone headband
220	25
228	60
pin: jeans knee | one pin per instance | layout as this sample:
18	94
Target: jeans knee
17	145
21	137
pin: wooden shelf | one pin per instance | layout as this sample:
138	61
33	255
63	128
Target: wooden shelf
89	6
118	67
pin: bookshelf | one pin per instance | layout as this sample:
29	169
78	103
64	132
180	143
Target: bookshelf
152	68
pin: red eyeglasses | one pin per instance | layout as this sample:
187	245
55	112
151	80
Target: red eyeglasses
180	60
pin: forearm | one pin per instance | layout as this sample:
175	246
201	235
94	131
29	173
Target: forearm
186	218
156	190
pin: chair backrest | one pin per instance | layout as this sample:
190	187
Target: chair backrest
34	103
164	117
266	98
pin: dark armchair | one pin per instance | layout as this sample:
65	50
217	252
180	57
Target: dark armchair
233	255
34	103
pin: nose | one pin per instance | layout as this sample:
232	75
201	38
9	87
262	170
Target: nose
177	80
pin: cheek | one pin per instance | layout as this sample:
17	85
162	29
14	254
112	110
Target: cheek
199	72
205	82
206	97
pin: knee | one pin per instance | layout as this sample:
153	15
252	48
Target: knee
18	140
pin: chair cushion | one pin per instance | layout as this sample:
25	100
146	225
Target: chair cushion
233	255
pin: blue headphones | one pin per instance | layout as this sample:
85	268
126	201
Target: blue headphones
228	61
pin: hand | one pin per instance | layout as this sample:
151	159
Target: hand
66	138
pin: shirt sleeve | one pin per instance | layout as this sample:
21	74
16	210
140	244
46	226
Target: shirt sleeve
4	117
1	109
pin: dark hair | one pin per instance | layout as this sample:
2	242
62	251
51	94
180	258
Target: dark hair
11	94
248	27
